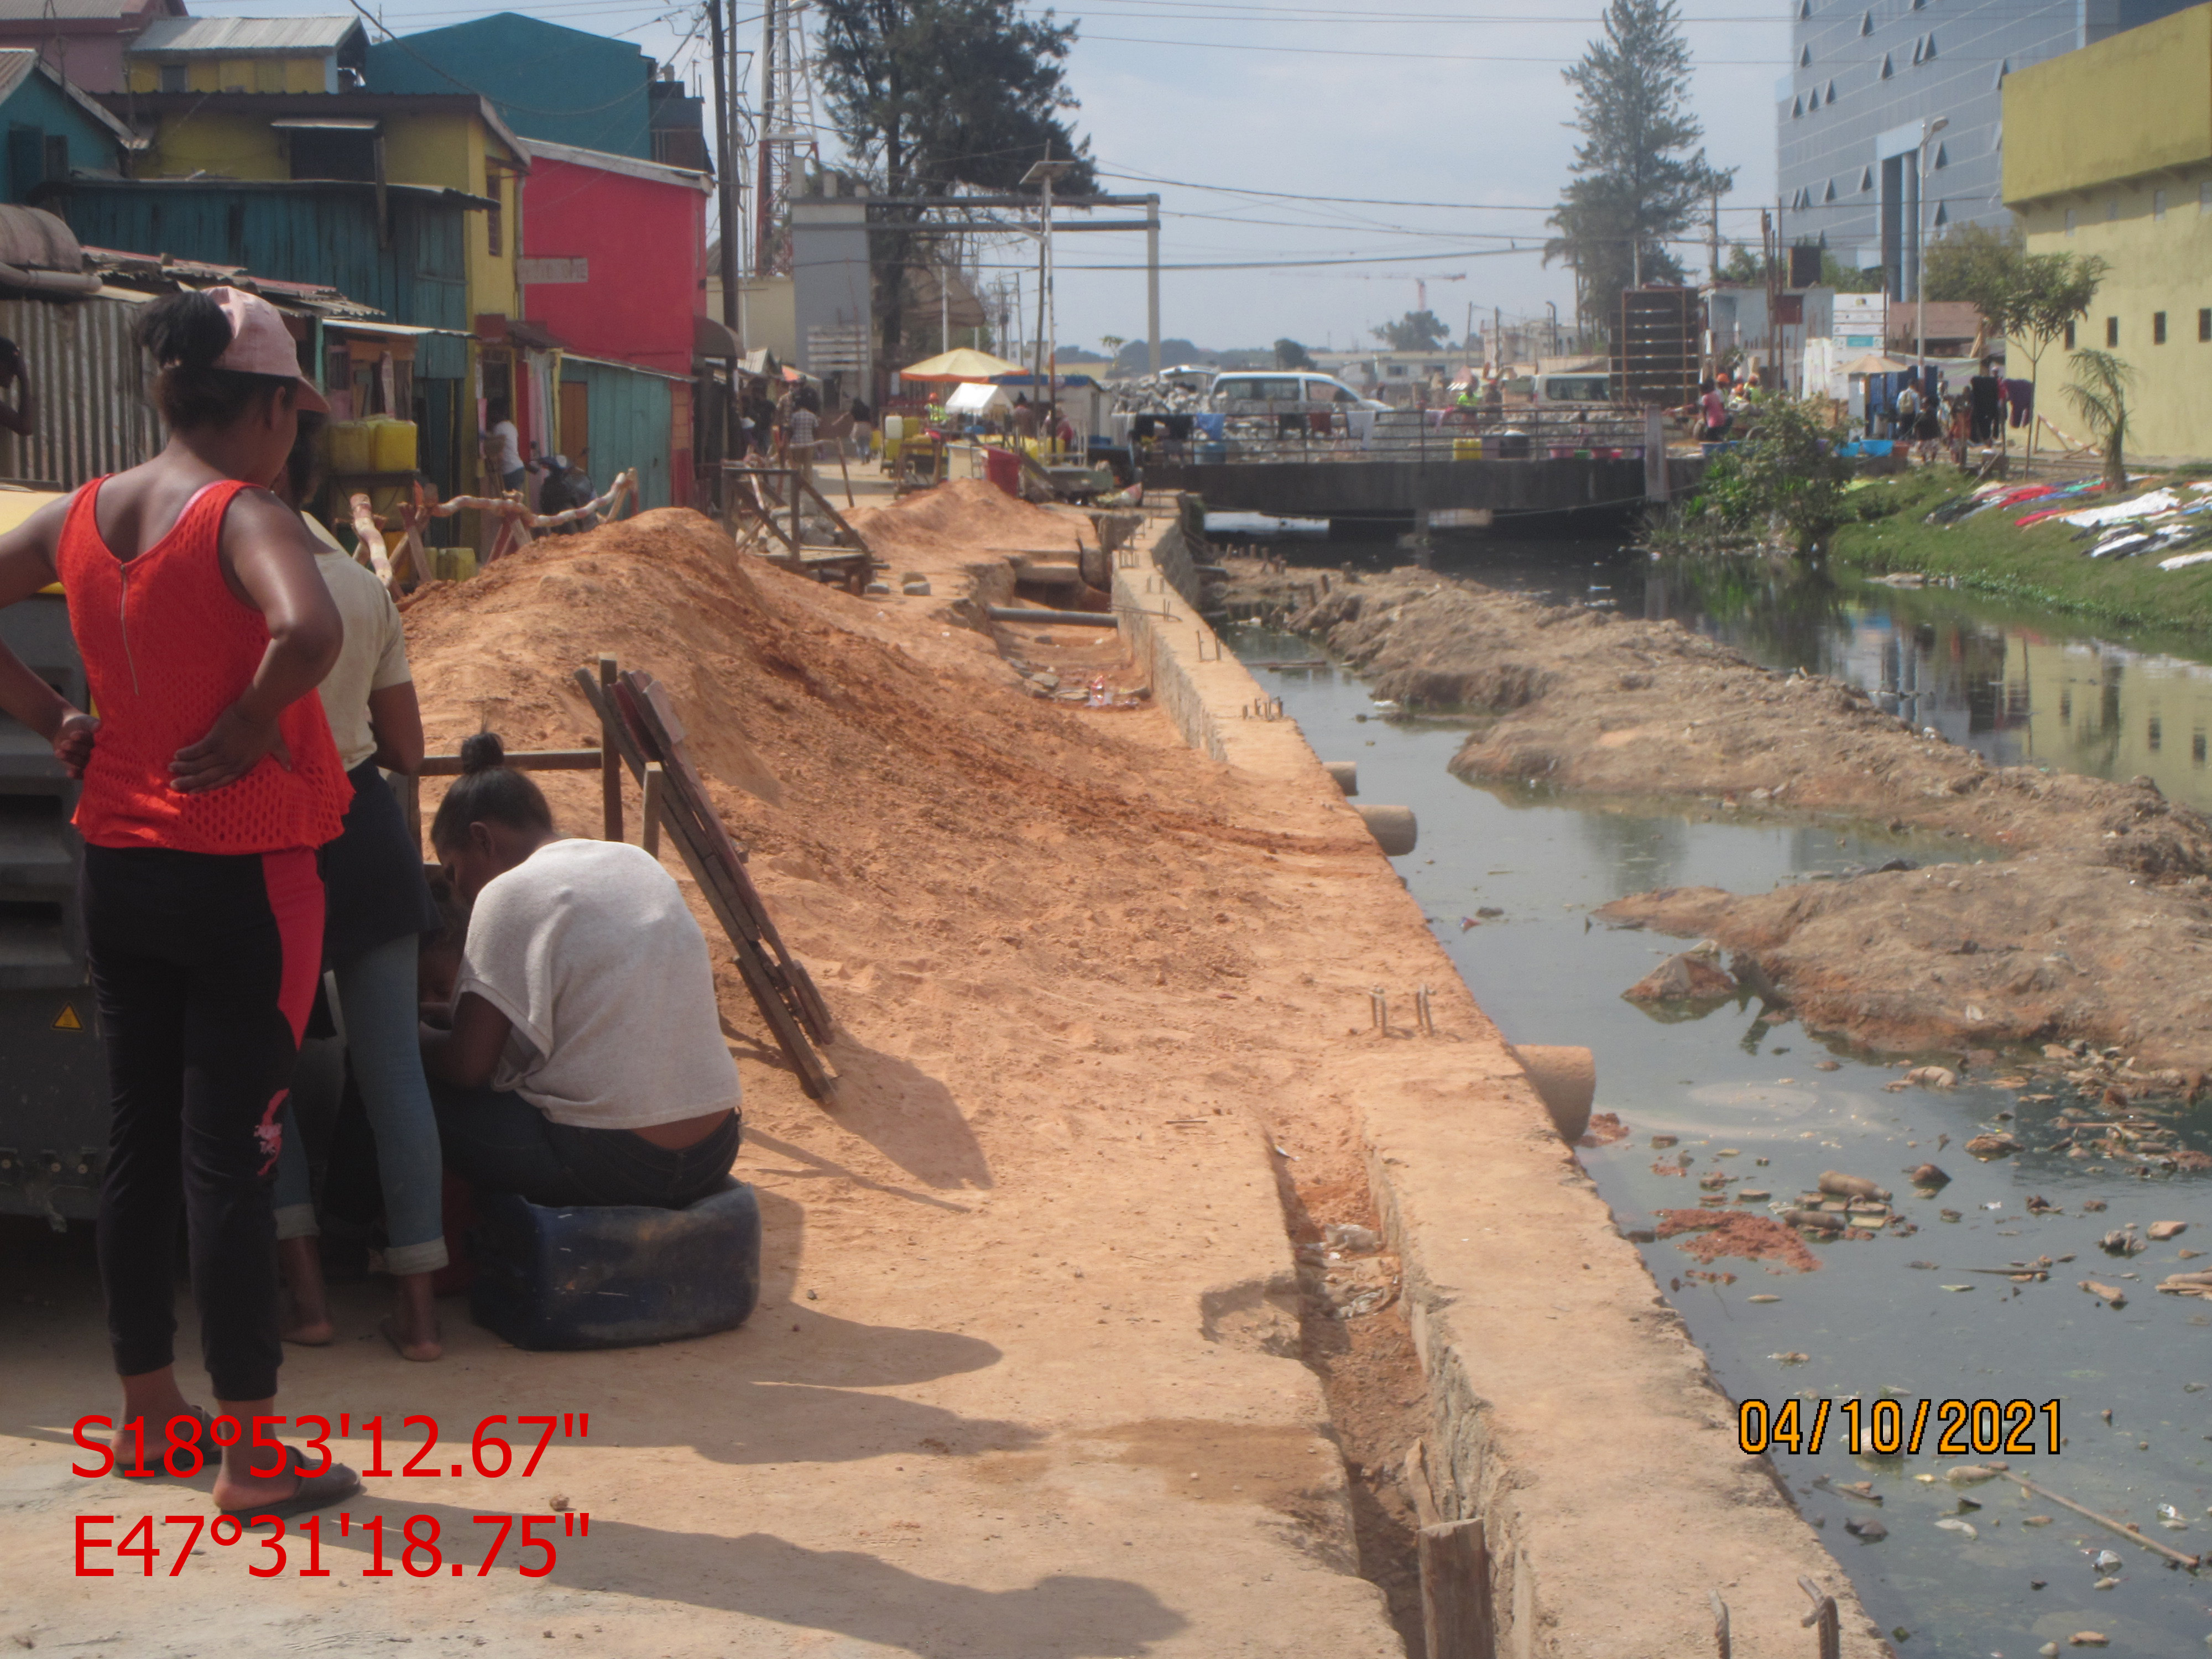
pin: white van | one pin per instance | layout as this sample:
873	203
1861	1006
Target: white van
1244	392
1583	386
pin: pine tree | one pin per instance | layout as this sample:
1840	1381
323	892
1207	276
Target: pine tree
931	96
1637	184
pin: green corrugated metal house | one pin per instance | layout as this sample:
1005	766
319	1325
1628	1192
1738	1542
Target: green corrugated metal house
630	415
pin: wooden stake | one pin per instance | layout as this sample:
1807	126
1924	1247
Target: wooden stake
611	770
1455	1612
2192	1562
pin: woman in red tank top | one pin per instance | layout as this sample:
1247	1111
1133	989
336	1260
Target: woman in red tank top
209	779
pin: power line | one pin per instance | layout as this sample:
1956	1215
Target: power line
1356	201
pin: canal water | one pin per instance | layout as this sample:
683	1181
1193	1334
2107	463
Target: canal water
1908	1318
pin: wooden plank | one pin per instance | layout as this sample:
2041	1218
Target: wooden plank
779	989
523	760
610	800
1455	1612
656	790
657	712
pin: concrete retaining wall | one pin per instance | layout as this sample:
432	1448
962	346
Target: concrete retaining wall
1570	1410
1398	489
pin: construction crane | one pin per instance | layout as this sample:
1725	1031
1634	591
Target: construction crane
1420	280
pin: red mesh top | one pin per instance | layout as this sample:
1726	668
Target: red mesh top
166	649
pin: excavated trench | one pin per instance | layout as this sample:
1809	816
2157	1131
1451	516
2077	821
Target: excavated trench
1742	1102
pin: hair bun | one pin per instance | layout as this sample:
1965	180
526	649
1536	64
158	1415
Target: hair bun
483	752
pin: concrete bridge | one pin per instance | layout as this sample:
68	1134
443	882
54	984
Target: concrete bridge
1407	492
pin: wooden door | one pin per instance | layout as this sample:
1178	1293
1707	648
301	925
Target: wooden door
576	422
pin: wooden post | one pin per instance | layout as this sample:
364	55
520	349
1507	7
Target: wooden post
610	799
656	782
1455	1612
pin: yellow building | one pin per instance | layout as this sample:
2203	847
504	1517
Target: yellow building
246	54
2108	151
448	141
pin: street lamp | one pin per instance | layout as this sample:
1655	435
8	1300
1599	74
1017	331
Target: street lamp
1928	131
1043	172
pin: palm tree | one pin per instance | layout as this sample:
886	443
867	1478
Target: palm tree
2102	381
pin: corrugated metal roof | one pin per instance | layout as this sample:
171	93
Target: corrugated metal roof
15	11
15	65
18	63
605	161
236	34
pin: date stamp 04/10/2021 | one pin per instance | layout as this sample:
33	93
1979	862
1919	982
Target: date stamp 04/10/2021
1888	1427
183	1447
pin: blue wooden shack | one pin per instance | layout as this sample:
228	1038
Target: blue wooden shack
53	129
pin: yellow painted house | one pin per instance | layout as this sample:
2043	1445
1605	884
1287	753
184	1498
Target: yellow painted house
2108	151
246	54
449	141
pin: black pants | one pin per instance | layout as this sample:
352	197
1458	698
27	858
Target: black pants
502	1142
204	968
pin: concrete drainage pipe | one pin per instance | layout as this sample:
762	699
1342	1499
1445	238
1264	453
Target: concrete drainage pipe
1346	774
1393	827
1566	1082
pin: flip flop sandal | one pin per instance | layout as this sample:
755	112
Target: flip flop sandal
334	1484
155	1469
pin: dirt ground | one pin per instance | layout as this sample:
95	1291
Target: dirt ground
1026	1376
2087	921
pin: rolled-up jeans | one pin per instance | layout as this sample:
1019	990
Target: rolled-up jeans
377	1003
502	1142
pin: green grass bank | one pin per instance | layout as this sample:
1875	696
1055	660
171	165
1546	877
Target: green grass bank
2043	565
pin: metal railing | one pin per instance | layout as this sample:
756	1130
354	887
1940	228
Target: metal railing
1602	432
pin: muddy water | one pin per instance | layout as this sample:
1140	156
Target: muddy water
2020	686
1735	1089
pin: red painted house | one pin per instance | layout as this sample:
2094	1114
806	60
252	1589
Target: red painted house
613	267
614	254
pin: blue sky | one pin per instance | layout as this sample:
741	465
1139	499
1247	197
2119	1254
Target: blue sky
1423	101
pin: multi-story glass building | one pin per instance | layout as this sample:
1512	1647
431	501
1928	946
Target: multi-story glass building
1870	79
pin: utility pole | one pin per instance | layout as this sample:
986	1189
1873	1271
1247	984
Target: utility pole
1713	238
726	163
1769	242
763	189
1043	172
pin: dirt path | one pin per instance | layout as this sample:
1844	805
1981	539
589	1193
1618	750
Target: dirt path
1025	1378
2090	921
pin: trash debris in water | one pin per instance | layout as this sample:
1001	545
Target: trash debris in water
1952	1523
